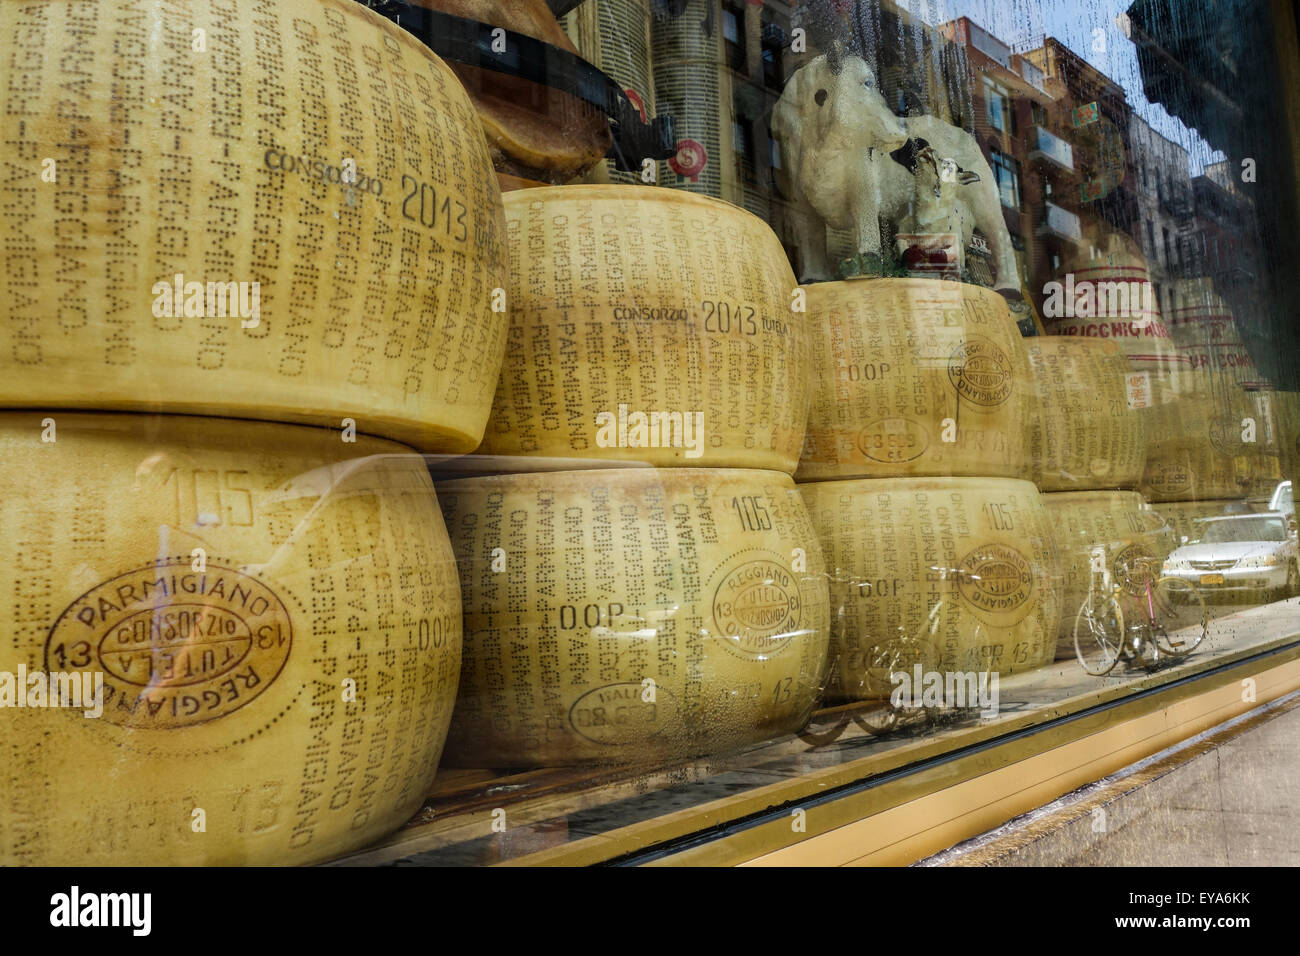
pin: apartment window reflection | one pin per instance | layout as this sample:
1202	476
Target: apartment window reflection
733	35
1007	172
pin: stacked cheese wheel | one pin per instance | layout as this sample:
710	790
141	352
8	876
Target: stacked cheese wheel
627	614
1112	298
633	615
1198	442
1086	433
918	381
1104	537
281	211
957	575
916	377
1205	331
299	220
648	325
275	620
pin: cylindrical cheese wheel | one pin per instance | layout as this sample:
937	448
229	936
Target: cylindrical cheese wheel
297	222
1204	330
629	615
1262	431
1288	404
1196	449
275	617
1184	517
965	566
916	377
1100	531
1110	296
1085	433
649	325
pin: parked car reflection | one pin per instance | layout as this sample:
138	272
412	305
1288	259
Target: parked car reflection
1251	555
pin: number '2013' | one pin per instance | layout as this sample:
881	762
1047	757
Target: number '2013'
422	205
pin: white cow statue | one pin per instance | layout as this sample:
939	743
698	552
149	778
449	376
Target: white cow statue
854	162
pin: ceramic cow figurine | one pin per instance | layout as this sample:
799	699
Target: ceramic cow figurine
853	163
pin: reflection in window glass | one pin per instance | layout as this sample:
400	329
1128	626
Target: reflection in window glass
1243	529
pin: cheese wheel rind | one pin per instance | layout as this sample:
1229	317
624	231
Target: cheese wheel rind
276	618
299	222
967	567
649	325
915	377
1085	434
1095	529
633	615
1198	447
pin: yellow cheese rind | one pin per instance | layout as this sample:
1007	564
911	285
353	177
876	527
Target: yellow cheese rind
1096	529
1085	434
1288	405
297	689
659	303
1205	330
633	615
1142	336
1198	447
132	158
967	566
915	377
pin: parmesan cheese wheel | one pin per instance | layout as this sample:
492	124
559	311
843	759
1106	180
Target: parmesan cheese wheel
1110	296
1099	531
966	568
649	325
274	615
1146	345
1085	434
630	615
916	377
1288	404
1205	331
1195	447
180	233
1262	444
1184	517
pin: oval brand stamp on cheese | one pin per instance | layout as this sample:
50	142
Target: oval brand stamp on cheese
893	440
981	372
271	620
626	713
177	647
916	377
757	607
996	579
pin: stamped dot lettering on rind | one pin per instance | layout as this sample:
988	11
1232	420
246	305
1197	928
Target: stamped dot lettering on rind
653	608
632	302
302	221
962	574
619	715
916	377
